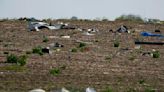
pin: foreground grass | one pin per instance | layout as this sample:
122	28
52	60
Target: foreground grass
15	68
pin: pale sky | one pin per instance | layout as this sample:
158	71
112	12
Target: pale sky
86	9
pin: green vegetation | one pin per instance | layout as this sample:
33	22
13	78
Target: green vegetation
133	57
116	43
131	90
156	54
55	71
82	45
28	52
45	39
15	68
130	17
74	50
21	60
108	89
149	89
142	81
37	50
83	49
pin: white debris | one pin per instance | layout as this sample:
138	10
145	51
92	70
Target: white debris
65	37
86	33
37	90
137	47
64	90
52	37
90	89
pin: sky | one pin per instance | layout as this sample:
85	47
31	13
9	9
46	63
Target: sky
85	9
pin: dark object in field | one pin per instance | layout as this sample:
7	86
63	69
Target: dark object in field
122	29
58	45
150	43
46	50
157	31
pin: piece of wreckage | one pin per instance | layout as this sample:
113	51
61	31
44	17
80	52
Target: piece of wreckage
36	26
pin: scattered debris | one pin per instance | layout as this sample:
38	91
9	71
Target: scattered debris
137	47
149	43
67	37
122	29
78	41
52	45
40	25
151	34
61	90
93	30
52	37
64	90
157	31
37	90
90	89
46	50
147	54
87	33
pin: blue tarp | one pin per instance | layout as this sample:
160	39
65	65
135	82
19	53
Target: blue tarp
151	34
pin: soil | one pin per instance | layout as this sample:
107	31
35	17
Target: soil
99	64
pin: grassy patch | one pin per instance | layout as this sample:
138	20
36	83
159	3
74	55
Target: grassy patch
149	89
55	71
116	43
45	39
108	89
74	50
82	45
156	54
37	50
15	68
21	60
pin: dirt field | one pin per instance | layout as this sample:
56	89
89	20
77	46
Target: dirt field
99	64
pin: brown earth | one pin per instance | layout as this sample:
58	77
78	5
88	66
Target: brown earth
99	65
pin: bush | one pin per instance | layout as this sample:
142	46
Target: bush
12	58
149	89
130	17
116	44
156	54
45	39
82	45
74	50
21	60
108	89
37	50
55	71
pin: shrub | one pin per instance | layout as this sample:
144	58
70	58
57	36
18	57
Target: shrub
82	45
148	89
15	68
108	89
28	52
130	17
84	49
74	50
141	81
45	39
116	44
156	54
21	60
12	58
37	50
55	71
